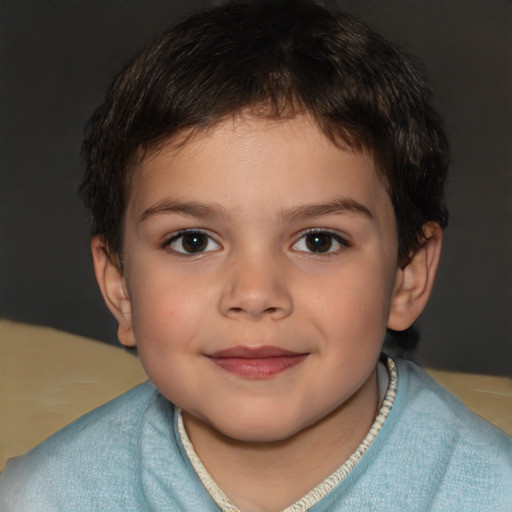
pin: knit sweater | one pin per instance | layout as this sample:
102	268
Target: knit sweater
431	453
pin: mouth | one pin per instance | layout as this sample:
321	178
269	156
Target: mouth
256	363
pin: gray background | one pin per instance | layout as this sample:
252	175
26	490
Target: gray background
56	59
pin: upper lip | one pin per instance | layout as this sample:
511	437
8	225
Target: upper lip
248	352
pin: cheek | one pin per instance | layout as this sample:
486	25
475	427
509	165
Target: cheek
164	310
353	304
166	324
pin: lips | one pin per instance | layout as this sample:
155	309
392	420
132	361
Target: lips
256	363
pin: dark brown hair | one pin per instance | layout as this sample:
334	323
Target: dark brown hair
277	59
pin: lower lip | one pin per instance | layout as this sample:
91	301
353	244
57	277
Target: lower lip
258	368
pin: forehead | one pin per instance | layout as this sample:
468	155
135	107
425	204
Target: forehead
244	162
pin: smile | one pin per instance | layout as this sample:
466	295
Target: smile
256	363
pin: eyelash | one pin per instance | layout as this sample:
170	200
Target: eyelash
168	244
332	237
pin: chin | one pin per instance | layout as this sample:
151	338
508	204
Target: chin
261	436
262	429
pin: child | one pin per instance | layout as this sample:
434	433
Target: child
266	188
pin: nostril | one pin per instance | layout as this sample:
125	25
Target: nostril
270	310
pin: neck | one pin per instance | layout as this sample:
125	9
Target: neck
260	477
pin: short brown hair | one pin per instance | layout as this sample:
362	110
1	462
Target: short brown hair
279	59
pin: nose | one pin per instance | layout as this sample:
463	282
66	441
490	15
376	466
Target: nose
255	288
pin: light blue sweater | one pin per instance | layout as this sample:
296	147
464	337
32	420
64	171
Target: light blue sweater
431	454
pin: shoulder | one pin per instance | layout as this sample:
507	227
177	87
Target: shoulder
468	459
96	452
427	402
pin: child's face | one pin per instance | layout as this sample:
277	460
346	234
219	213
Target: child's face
260	266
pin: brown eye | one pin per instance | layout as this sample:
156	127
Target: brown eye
192	242
319	242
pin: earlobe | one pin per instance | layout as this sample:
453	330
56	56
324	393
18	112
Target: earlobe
415	281
113	288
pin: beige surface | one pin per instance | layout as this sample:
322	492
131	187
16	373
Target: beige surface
48	378
488	396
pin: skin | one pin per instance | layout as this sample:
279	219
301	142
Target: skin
296	248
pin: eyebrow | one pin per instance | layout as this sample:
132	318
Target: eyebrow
190	209
336	207
302	212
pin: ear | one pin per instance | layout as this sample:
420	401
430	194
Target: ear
414	281
113	288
